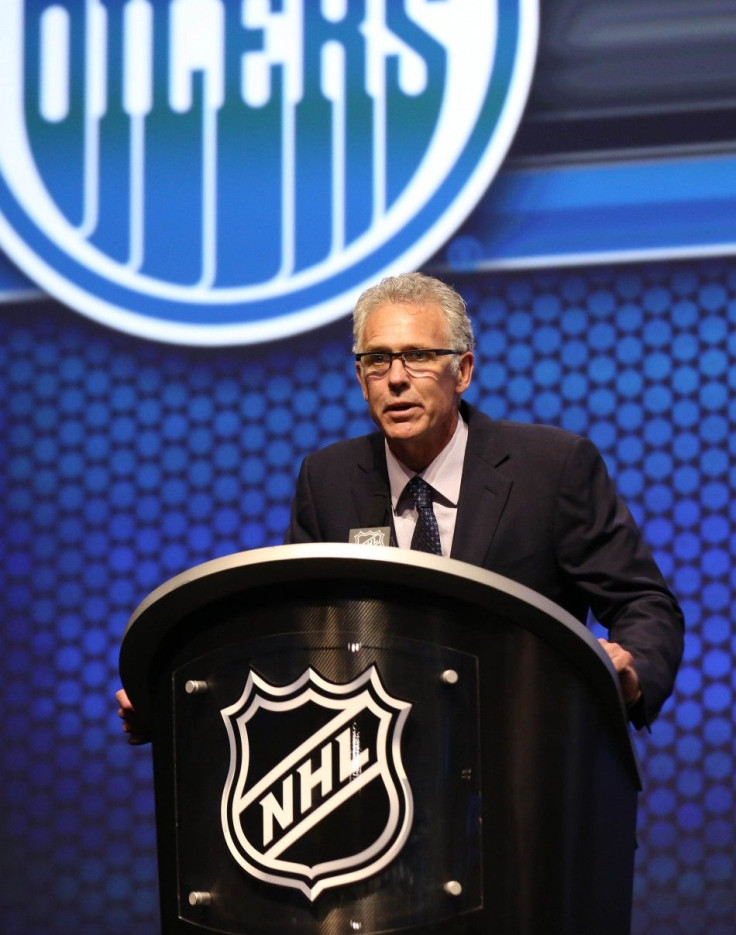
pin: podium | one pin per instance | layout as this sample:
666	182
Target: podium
358	739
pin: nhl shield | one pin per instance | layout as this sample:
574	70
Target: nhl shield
316	794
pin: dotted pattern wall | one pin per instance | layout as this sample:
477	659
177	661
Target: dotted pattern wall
126	462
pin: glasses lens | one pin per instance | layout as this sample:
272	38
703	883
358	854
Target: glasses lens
376	363
419	360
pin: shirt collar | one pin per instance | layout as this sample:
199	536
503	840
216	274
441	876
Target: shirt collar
444	474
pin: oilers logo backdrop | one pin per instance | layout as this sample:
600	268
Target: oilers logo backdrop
231	171
316	795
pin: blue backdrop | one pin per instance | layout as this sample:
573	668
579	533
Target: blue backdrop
125	462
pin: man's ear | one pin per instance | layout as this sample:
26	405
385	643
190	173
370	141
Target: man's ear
361	380
465	372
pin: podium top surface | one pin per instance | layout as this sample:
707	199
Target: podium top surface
289	566
293	563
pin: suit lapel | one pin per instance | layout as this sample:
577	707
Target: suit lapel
371	492
484	492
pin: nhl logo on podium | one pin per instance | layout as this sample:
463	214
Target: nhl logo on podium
316	795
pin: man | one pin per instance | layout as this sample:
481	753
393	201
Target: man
531	502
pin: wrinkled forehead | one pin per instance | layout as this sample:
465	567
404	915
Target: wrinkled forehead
400	325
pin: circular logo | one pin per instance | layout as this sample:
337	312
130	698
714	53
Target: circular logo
209	172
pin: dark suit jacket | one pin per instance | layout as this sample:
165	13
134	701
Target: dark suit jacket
536	505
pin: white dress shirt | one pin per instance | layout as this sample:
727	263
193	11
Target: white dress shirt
443	475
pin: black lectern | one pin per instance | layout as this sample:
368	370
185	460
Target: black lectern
353	739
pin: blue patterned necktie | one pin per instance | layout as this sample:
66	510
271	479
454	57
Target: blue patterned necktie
426	536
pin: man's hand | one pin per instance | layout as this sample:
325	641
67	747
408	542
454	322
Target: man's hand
132	725
623	663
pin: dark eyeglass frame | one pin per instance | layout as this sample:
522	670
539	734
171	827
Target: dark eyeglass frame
402	355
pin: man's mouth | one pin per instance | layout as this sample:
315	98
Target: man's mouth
399	408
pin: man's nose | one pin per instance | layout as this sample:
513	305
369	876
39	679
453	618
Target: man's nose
397	372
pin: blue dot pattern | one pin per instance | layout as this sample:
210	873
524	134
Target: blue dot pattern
426	536
125	462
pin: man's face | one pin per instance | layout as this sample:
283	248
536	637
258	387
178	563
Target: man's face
416	412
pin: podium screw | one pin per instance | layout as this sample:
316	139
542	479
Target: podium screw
194	686
199	898
450	677
453	888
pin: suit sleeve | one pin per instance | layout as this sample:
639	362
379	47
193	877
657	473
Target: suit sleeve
304	525
602	550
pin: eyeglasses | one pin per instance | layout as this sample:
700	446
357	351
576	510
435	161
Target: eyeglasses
420	360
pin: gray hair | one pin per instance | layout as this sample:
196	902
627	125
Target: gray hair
417	289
